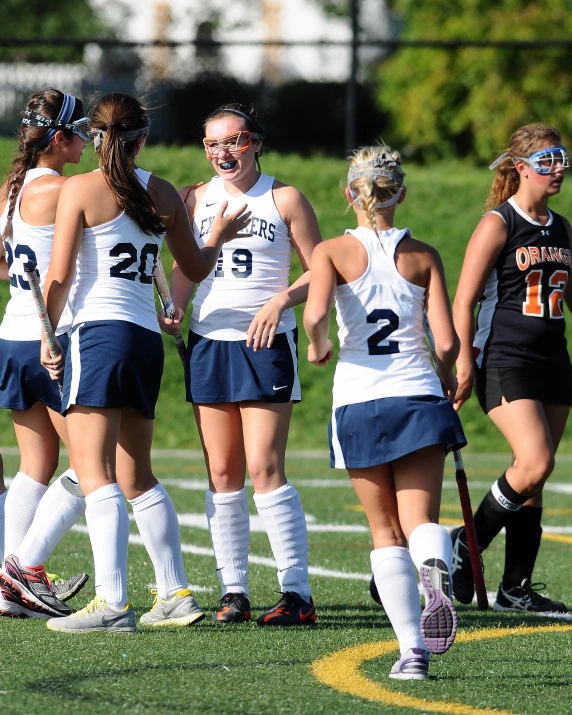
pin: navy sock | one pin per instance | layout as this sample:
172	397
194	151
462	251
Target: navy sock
523	534
494	511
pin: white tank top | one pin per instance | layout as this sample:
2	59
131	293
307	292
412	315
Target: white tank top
249	271
114	278
27	243
380	319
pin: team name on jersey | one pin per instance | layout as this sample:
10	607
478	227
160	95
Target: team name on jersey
529	256
258	227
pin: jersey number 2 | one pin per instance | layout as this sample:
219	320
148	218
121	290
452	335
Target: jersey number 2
533	306
391	320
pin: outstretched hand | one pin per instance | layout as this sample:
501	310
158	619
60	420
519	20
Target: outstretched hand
232	225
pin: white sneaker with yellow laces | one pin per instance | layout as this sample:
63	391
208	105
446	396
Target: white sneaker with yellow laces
96	616
179	610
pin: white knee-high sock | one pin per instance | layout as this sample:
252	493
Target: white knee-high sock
283	518
394	575
430	541
108	527
229	526
2	502
20	507
60	508
158	525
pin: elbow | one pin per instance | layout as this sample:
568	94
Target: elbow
449	349
313	319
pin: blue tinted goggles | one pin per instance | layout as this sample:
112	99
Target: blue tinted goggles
548	161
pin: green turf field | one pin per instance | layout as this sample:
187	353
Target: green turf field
443	205
506	663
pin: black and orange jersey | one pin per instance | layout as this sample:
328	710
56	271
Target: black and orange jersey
521	320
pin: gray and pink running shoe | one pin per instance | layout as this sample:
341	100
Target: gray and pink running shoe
439	619
414	665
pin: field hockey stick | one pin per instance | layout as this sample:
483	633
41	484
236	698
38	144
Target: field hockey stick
167	304
53	345
464	498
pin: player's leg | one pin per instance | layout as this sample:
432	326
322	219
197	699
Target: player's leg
157	522
393	568
418	479
39	454
265	428
523	535
524	425
60	508
220	429
93	434
3	495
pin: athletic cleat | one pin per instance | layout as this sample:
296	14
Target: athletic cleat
291	610
233	608
32	589
64	589
374	593
414	665
10	607
96	616
462	571
179	610
527	598
439	619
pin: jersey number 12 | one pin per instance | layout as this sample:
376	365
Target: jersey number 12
533	305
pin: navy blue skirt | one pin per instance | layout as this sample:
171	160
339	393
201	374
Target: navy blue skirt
113	363
366	434
23	380
227	371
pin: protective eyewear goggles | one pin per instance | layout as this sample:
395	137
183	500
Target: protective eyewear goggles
237	143
81	127
548	161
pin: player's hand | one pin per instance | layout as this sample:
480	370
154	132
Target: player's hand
262	330
186	190
464	388
450	386
54	366
320	359
171	326
233	225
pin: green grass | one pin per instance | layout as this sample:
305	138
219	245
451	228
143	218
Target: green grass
444	204
247	670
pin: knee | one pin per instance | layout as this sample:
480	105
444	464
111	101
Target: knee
264	473
532	475
223	478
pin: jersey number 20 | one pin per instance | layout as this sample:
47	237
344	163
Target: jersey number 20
119	269
391	320
534	306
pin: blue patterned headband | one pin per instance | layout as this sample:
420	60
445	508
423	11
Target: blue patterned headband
53	125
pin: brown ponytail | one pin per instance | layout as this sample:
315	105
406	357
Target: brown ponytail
48	103
115	114
524	142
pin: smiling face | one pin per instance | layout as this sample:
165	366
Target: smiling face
231	149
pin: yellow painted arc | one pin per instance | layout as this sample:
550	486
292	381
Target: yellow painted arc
341	671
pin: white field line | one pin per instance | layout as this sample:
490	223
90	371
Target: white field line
259	560
313	454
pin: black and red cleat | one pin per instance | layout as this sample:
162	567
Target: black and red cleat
234	608
32	589
291	610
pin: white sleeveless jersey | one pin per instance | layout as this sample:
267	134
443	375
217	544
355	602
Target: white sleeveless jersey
27	243
114	275
249	271
380	319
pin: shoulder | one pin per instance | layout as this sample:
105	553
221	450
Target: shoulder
193	195
338	249
288	199
414	251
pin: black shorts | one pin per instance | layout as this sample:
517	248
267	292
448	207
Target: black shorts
549	384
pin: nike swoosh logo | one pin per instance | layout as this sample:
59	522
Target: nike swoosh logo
108	621
279	388
211	204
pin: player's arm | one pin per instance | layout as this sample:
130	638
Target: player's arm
483	250
438	308
65	247
319	305
4	269
196	263
568	289
305	235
